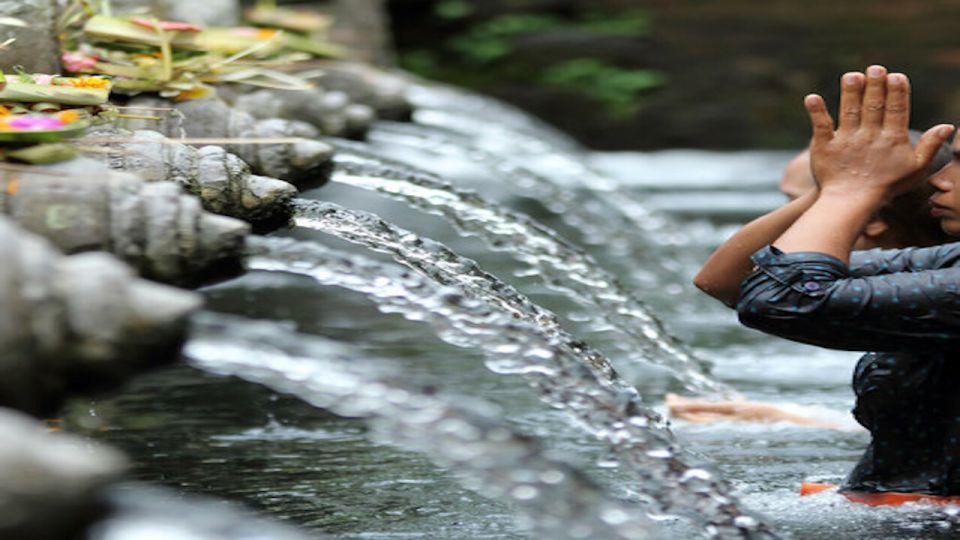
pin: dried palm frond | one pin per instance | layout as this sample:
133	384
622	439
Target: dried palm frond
296	20
27	88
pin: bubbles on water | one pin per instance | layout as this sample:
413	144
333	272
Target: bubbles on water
506	348
692	476
952	512
554	476
660	453
615	516
749	523
525	493
396	396
608	461
674	289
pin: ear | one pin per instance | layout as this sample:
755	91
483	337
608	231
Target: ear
875	228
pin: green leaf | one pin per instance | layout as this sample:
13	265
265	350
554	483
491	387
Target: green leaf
42	154
453	9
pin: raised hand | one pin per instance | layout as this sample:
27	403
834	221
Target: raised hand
870	152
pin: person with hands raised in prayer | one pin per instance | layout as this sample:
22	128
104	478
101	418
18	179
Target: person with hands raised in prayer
793	273
904	222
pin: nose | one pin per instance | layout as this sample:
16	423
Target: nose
942	180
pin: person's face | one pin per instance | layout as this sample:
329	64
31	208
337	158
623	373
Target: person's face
945	203
797	177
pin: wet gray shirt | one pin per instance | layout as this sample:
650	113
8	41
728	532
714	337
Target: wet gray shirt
905	306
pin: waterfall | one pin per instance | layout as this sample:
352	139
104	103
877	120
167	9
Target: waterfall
554	499
616	418
562	265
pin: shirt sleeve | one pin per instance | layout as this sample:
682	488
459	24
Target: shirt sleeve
890	261
815	298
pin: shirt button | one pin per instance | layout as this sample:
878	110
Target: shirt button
811	286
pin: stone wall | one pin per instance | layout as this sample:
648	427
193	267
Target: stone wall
35	47
364	27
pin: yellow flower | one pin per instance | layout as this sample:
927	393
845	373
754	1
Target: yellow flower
266	33
197	92
90	82
68	116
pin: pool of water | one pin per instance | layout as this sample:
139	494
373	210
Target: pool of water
206	434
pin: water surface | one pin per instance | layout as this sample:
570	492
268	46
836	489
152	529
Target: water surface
215	435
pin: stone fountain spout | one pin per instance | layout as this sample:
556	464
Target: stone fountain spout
70	324
155	227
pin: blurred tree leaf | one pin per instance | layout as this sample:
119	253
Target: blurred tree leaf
453	9
619	89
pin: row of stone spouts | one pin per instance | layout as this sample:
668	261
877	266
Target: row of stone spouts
97	248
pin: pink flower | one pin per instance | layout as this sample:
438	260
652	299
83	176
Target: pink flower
35	123
166	25
43	78
75	61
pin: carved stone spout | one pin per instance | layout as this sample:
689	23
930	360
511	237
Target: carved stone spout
70	324
155	227
221	180
50	482
303	161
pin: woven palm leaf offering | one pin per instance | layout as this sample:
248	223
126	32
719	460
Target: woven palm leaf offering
39	112
49	119
179	60
182	63
342	103
302	23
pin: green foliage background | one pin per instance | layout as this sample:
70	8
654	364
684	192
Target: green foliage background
478	51
646	74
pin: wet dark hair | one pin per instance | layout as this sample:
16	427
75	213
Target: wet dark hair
909	214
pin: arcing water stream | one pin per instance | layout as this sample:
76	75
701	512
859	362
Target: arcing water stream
611	413
593	463
558	262
501	464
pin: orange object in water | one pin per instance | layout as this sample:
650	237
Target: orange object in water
809	488
888	498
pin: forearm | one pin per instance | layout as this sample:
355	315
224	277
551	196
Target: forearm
721	275
832	224
811	297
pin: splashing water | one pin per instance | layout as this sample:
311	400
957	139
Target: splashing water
470	113
617	419
505	132
598	222
553	499
444	267
562	265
